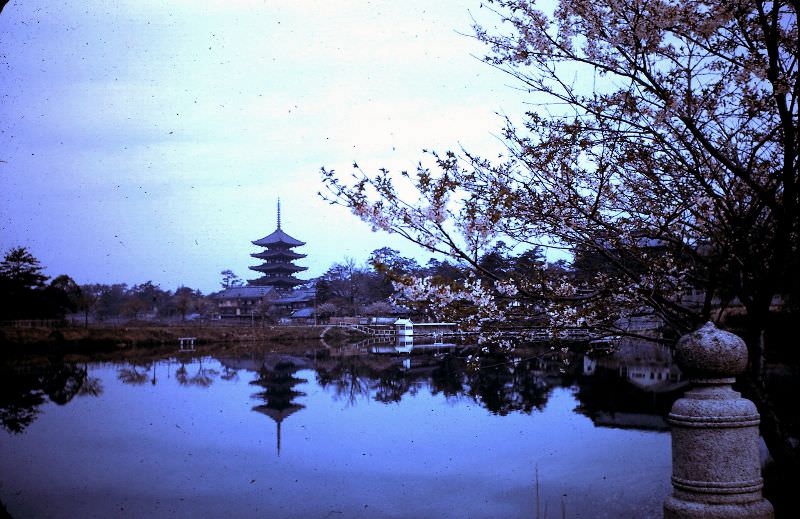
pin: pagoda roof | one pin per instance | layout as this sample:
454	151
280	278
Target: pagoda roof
278	254
278	414
278	267
278	237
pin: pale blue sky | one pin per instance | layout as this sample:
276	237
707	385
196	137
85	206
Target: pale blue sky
149	139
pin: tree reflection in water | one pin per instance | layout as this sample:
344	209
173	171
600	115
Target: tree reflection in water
390	386
447	378
607	389
500	386
512	386
229	374
504	386
25	388
203	377
351	376
133	374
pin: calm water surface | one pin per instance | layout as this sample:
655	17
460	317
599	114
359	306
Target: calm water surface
337	436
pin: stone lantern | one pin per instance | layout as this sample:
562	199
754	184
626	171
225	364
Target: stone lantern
715	456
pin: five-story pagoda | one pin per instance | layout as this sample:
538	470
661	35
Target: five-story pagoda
278	268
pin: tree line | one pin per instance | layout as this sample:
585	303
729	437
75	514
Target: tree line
378	287
27	293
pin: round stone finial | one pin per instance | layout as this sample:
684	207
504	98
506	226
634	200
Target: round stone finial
711	353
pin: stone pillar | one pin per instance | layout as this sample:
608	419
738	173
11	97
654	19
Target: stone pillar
715	458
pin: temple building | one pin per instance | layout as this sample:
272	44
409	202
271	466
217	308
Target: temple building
277	293
278	268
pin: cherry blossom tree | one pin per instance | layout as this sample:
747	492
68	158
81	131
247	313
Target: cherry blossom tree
662	138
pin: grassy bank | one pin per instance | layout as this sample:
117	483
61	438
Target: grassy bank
109	338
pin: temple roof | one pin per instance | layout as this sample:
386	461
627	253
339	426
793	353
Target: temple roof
245	292
303	313
278	237
278	267
299	295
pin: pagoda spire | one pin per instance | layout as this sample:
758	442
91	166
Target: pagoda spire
279	213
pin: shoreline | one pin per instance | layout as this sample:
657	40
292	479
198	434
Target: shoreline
18	340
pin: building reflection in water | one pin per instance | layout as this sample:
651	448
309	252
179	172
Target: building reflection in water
278	381
644	364
632	388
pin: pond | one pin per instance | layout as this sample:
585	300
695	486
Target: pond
373	431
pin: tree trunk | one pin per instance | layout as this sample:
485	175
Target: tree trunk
776	435
754	386
753	334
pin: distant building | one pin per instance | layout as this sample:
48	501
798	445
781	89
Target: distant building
241	301
274	292
278	268
298	304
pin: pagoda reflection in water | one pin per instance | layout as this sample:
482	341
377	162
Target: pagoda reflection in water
278	394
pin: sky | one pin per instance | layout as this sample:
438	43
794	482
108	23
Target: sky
150	139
